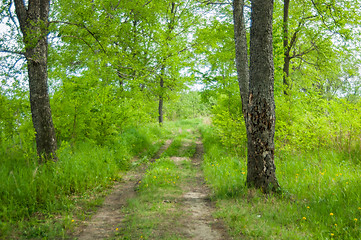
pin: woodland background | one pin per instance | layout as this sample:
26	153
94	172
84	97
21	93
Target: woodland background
112	63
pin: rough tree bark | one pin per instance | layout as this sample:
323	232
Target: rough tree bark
261	106
33	21
256	88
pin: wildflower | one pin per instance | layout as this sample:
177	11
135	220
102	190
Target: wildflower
212	165
243	173
155	176
355	219
359	208
332	234
304	218
308	206
72	220
116	229
331	214
304	169
346	182
335	224
336	175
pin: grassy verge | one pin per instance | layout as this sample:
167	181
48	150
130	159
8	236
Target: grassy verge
45	201
321	195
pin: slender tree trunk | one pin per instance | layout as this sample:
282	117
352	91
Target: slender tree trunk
261	106
240	39
34	27
286	48
160	105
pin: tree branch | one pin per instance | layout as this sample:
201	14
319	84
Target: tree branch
70	36
21	11
84	27
12	52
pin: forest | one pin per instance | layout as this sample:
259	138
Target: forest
180	119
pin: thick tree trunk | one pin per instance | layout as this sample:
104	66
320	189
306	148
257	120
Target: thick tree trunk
240	39
261	105
34	26
286	47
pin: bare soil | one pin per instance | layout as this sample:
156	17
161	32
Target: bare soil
200	224
108	217
197	223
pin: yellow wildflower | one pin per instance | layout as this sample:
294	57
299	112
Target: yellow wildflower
304	218
355	219
331	214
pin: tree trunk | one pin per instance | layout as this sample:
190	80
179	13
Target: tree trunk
240	39
261	105
286	47
34	27
160	105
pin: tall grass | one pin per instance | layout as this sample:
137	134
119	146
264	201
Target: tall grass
28	189
321	196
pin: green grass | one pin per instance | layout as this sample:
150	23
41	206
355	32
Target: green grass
39	201
321	197
154	213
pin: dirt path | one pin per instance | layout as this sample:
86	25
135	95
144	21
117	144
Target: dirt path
104	223
200	224
193	206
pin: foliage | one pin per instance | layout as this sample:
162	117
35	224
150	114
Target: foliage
106	59
187	106
320	198
29	190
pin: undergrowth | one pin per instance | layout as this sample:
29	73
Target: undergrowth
32	194
320	198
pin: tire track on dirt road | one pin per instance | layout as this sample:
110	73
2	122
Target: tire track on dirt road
108	217
200	224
